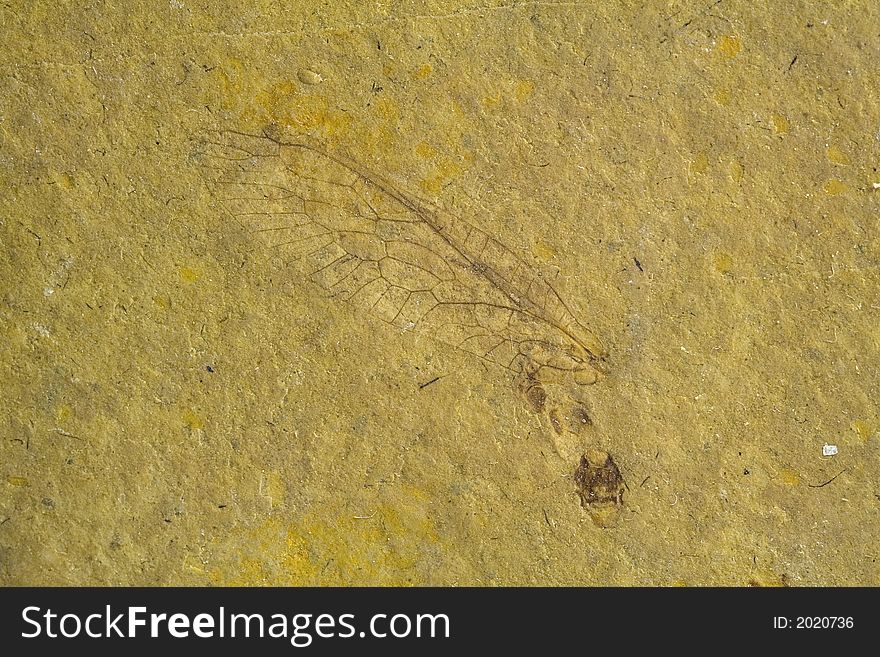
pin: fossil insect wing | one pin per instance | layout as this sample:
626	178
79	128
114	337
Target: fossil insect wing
413	265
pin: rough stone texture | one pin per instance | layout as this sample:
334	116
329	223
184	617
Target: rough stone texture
697	179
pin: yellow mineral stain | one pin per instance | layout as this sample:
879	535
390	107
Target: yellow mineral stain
284	104
523	89
736	171
381	547
192	420
64	412
722	97
64	180
423	71
543	251
20	482
273	96
188	274
305	112
387	109
699	164
789	477
729	46
723	262
162	301
440	175
425	150
231	80
379	139
275	487
780	124
491	102
834	187
863	430
679	583
252	571
413	493
837	156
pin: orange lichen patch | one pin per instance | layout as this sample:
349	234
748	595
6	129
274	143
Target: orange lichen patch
780	124
729	46
188	274
837	156
834	187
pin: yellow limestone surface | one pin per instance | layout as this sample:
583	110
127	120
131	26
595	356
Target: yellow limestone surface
181	403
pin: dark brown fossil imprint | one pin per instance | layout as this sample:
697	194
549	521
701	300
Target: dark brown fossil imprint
600	486
414	265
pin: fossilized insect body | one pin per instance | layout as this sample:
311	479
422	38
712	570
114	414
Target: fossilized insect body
415	266
600	487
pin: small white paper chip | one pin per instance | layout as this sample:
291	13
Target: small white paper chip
829	450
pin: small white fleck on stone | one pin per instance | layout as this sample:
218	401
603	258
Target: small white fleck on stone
829	450
308	76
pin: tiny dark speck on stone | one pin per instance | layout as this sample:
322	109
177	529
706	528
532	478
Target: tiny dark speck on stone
209	368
